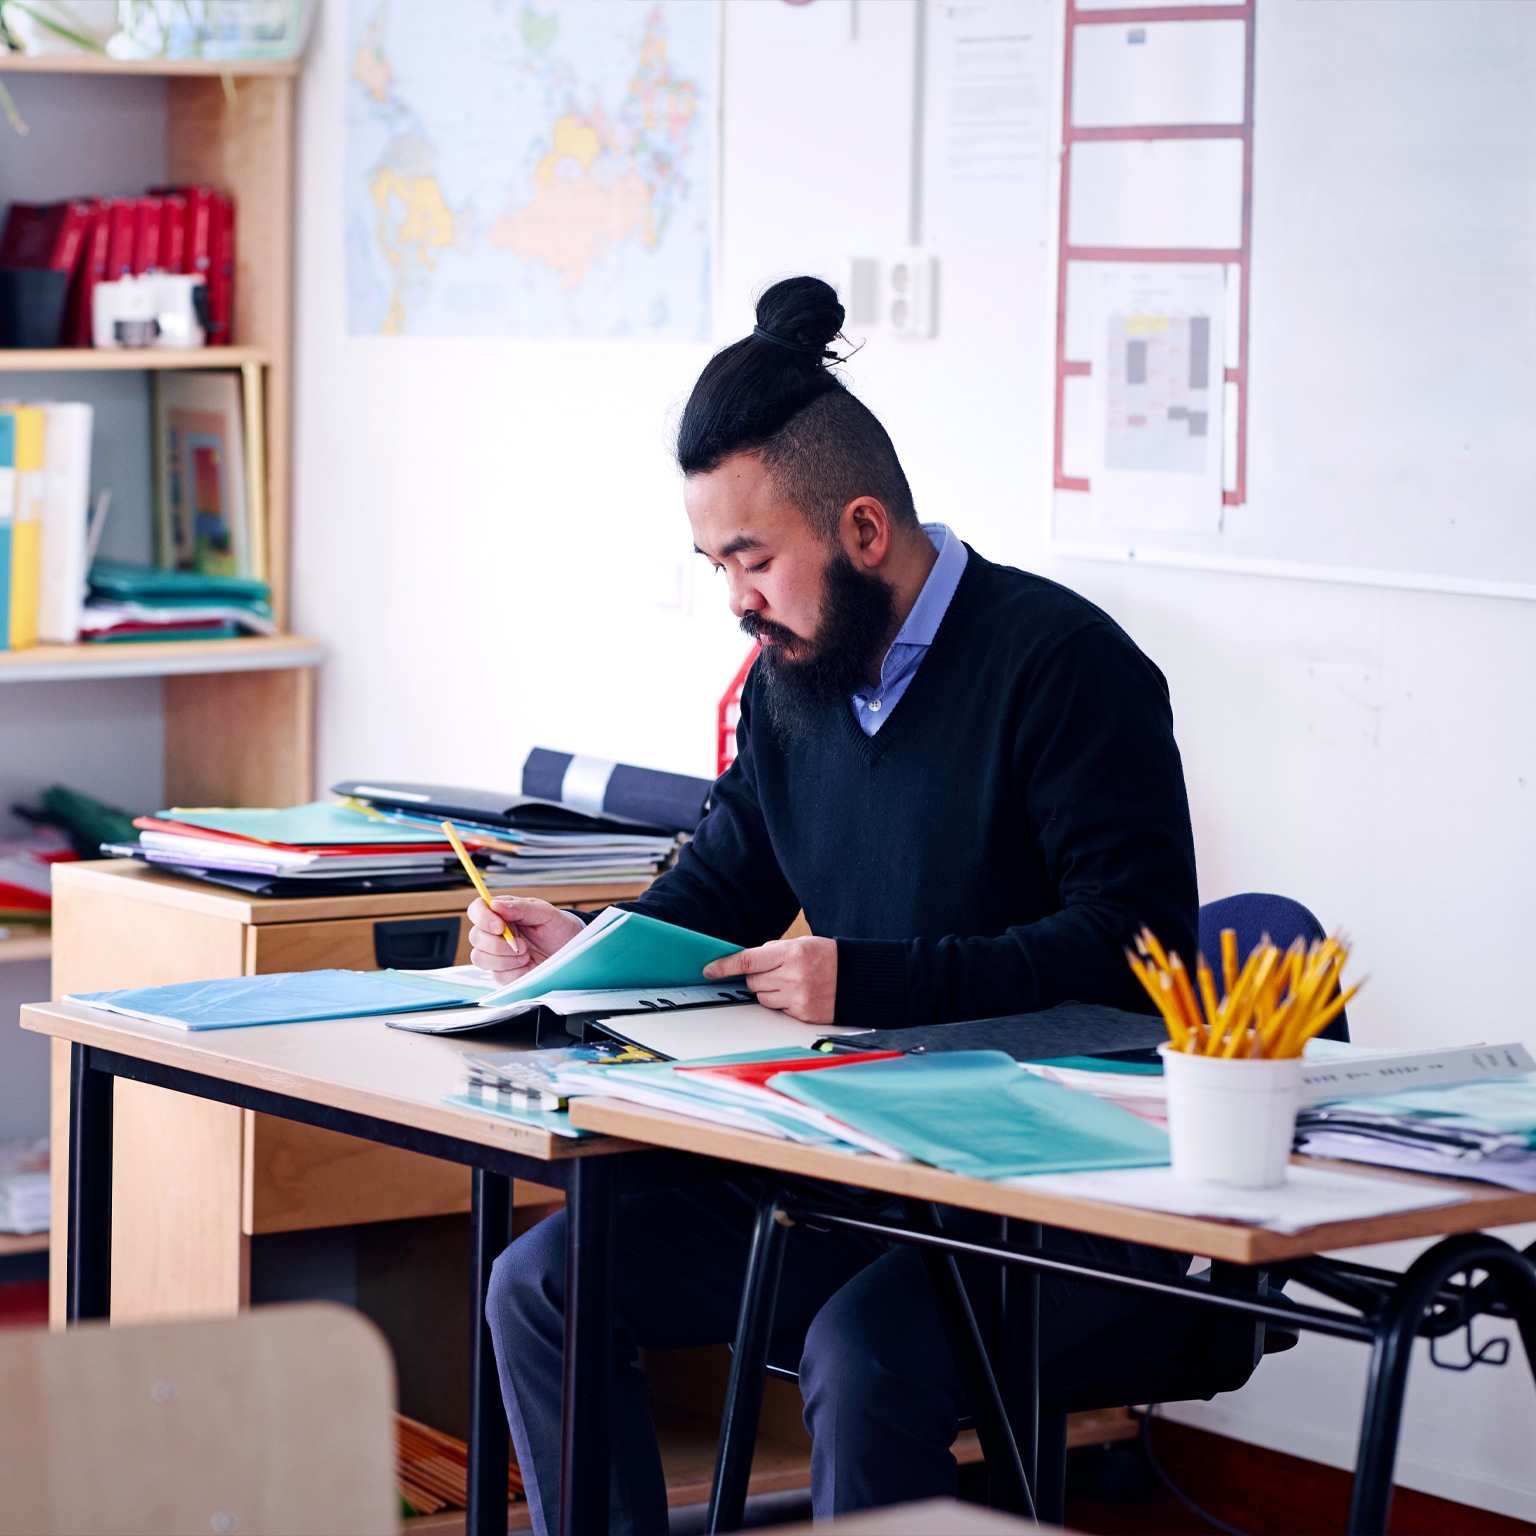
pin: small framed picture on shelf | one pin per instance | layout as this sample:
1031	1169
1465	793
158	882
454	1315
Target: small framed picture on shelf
202	507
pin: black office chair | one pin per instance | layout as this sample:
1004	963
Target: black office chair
1169	1351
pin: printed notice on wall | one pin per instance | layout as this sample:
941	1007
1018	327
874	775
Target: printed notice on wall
1159	372
986	139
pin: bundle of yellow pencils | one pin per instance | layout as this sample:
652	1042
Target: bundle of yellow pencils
1273	1005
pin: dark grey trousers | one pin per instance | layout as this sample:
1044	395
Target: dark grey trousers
882	1394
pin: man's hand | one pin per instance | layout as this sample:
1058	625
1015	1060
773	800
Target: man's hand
798	976
541	929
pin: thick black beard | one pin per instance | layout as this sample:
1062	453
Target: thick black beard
858	615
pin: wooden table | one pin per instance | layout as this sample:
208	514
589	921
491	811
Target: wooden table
360	1078
1385	1310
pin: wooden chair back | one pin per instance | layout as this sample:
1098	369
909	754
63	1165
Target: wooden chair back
280	1420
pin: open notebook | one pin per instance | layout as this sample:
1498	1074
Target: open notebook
625	962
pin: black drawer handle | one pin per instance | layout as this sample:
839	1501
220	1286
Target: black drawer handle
416	943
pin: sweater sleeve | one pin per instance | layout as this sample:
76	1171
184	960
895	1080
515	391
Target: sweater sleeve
727	881
1097	772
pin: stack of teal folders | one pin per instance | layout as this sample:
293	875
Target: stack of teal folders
972	1112
140	602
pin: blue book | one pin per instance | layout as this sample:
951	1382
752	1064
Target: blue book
296	997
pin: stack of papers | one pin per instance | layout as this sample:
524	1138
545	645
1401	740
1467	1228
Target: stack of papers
525	840
130	602
24	1195
1310	1197
973	1112
303	847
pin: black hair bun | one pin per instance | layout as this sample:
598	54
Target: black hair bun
804	311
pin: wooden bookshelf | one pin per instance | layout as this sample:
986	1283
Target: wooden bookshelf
126	359
238	713
13	951
18	1242
100	64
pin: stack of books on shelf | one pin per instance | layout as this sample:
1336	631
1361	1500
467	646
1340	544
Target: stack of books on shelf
130	602
56	255
24	1186
45	526
26	873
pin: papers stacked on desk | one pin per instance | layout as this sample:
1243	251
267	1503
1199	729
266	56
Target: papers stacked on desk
524	840
972	1112
24	1198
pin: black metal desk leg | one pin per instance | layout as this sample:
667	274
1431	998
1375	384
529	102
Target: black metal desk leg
490	1227
744	1393
1398	1326
591	1214
1005	1471
88	1279
1021	1352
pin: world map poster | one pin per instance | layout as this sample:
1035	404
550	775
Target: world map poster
517	169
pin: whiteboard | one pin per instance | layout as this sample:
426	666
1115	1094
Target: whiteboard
1392	407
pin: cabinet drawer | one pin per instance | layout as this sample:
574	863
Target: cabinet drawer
350	944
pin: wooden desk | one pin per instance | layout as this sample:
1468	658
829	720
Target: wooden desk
1386	1310
197	1180
359	1078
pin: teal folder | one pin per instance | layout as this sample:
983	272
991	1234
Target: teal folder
979	1113
620	949
295	997
305	826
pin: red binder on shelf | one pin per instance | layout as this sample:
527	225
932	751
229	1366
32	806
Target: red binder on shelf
147	215
93	270
44	236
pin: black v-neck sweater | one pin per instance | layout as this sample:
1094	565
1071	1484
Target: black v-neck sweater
992	849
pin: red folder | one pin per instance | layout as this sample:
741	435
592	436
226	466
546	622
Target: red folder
173	233
221	280
757	1073
120	217
147	214
93	270
44	235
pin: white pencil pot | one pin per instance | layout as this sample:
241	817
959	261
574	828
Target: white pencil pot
1230	1122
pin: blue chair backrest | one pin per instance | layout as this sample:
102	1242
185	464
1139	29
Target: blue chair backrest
1252	915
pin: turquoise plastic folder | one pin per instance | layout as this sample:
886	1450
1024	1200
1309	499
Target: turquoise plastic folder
620	949
979	1113
306	826
286	998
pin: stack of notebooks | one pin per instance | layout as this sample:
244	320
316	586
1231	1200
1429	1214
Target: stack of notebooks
305	849
132	602
525	839
24	1200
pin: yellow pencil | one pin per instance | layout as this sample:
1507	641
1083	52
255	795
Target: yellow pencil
479	884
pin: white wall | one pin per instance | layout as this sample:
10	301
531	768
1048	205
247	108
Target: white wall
489	539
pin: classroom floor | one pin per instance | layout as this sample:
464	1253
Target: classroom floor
1256	1491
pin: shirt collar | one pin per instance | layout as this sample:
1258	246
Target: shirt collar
922	623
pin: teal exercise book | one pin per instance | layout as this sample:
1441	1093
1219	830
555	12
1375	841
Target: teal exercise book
978	1113
321	825
296	997
619	949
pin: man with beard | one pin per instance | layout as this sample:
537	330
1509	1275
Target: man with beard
966	777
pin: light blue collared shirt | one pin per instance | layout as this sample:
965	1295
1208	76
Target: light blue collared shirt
872	706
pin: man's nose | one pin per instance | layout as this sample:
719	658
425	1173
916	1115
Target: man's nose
745	598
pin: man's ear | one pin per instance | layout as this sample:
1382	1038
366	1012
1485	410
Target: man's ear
866	532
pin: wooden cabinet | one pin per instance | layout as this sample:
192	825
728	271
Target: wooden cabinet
193	1181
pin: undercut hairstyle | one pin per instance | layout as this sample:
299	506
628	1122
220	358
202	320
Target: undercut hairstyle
773	394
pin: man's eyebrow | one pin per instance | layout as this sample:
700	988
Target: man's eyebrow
740	542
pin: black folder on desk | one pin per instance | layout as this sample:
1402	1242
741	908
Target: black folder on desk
1068	1029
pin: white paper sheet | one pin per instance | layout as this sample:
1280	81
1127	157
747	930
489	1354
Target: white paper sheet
987	95
1309	1197
697	1032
